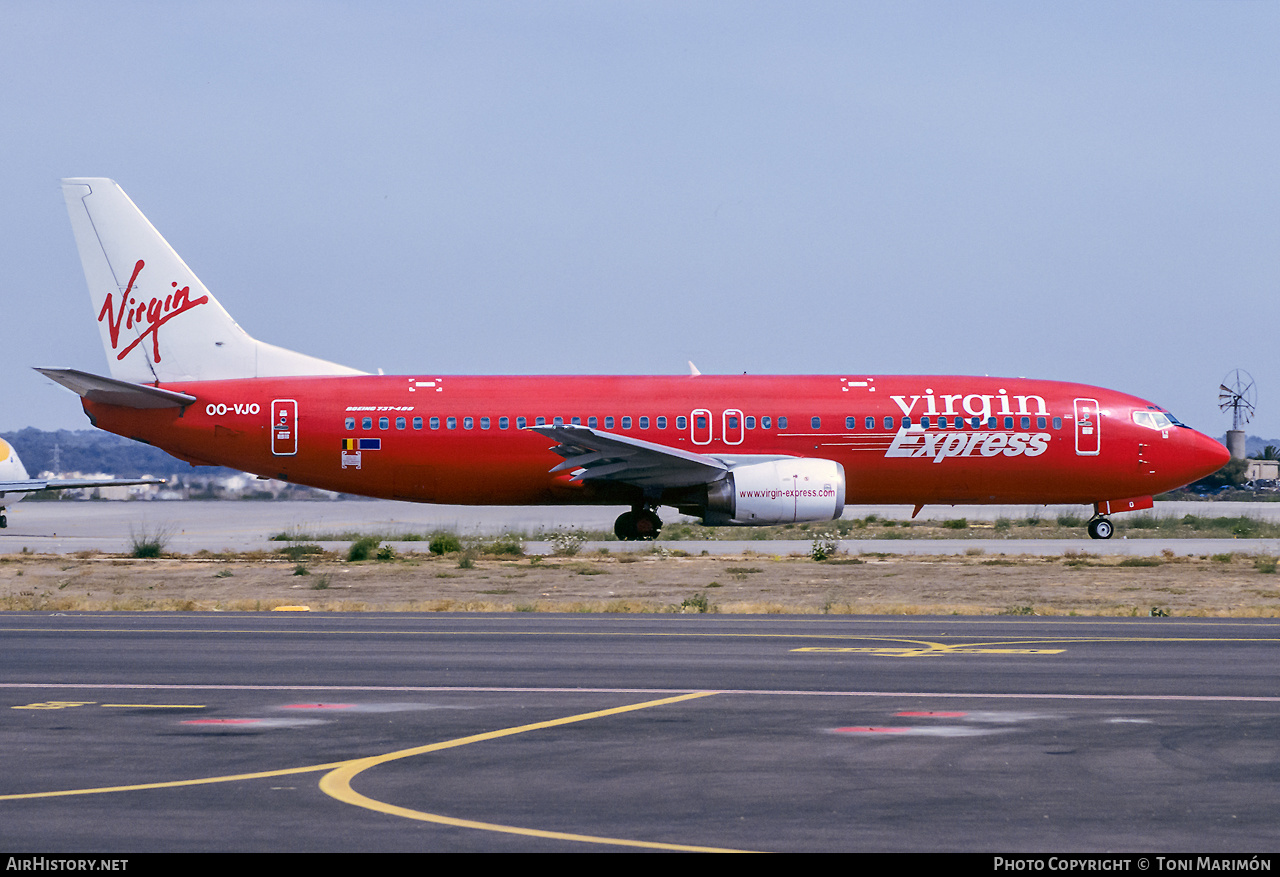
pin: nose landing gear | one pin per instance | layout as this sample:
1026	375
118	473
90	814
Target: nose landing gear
1100	528
641	523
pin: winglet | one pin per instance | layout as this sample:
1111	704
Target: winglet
693	369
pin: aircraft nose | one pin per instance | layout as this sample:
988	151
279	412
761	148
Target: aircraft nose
1202	455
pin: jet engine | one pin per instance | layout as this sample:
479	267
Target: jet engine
779	491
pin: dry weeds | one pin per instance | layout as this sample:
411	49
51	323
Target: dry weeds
974	584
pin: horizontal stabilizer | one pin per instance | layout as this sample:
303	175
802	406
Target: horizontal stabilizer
110	391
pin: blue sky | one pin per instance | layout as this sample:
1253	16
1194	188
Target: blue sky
1074	191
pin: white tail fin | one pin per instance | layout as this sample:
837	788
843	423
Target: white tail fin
157	320
11	468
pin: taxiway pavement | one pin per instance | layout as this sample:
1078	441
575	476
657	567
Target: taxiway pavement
133	732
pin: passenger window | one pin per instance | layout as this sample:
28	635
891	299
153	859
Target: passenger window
1024	422
484	423
366	423
417	423
751	422
661	423
504	423
871	423
1057	423
626	423
592	422
733	423
557	421
1008	423
701	421
888	423
782	423
991	423
401	423
906	423
682	423
521	422
851	423
451	422
435	423
924	421
1040	422
351	423
815	423
942	423
976	422
766	423
384	423
644	423
468	423
576	421
540	421
608	422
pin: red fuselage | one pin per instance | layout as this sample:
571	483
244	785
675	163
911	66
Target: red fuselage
915	439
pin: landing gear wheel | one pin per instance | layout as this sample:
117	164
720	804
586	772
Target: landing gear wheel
625	527
1100	528
637	524
4	522
648	525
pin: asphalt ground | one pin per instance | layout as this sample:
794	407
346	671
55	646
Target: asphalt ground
134	732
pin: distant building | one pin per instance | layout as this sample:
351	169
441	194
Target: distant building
1256	470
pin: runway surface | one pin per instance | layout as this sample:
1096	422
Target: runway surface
132	732
189	527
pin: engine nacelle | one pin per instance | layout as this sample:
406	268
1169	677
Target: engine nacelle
777	492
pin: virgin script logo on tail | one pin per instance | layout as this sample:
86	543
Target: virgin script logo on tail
152	313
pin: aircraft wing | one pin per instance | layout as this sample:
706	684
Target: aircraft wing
605	456
30	485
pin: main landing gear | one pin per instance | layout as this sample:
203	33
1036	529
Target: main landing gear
641	523
1100	528
4	522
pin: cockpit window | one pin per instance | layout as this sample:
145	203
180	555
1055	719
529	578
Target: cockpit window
1153	419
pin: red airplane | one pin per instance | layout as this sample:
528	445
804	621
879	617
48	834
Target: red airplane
728	449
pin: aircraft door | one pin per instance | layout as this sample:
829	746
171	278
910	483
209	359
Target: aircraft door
732	431
284	427
1088	428
700	426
